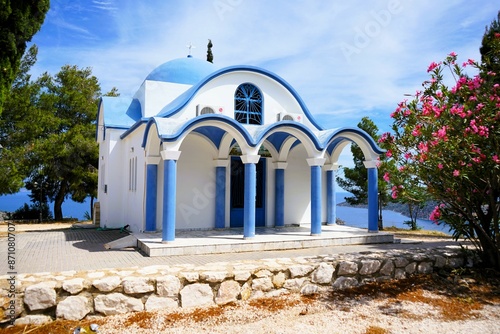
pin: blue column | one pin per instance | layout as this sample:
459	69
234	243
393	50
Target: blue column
169	194
250	162
151	196
249	201
315	200
220	197
279	193
372	199
331	200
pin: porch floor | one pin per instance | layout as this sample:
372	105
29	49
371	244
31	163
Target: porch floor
197	242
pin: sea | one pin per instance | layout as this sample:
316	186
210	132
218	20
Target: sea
357	217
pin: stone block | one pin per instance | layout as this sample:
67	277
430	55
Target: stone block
344	283
155	303
73	308
323	274
117	303
197	295
168	286
74	285
369	267
40	296
107	284
133	285
300	270
262	284
228	292
347	268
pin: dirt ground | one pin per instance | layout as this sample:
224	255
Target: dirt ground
461	301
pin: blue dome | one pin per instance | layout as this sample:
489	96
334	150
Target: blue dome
187	70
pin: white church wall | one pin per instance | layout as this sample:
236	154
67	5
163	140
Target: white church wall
133	182
155	95
220	93
270	193
196	184
110	192
297	187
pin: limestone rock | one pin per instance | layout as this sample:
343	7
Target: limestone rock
410	268
399	273
309	289
279	280
160	303
40	296
33	319
323	274
168	286
262	273
197	295
228	292
347	268
137	285
425	268
400	262
369	267
387	268
213	276
262	284
107	284
246	291
73	308
344	282
190	276
117	303
74	285
242	275
294	284
300	270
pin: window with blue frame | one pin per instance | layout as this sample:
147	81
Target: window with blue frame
248	104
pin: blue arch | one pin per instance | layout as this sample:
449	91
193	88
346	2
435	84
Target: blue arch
176	105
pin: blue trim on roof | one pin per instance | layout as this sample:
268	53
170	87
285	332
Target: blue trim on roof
176	105
213	133
339	138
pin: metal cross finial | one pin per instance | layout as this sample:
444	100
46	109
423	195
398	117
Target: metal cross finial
190	46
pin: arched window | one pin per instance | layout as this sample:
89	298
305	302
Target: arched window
248	104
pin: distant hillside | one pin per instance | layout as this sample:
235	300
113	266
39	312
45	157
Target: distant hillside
423	213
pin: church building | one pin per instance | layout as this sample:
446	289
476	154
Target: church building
199	147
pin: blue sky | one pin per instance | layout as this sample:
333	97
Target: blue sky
346	59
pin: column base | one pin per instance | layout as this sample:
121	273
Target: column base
331	224
248	238
315	234
167	242
372	231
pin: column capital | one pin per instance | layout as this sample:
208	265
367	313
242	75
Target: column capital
153	160
316	161
250	158
334	166
371	164
170	155
221	162
280	165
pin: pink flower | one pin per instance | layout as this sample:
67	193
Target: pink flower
408	155
435	214
456	173
440	166
386	177
496	159
453	54
388	153
432	66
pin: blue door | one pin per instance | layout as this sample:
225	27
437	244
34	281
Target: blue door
238	192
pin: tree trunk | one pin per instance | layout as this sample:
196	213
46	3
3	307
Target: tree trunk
92	208
58	201
490	253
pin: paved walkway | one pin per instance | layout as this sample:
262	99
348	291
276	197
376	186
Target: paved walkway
82	249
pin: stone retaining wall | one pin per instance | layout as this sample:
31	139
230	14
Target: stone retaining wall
73	295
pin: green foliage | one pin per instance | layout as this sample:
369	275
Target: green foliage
19	21
490	46
32	212
48	129
446	142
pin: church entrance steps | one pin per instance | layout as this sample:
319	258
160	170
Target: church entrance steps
200	242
